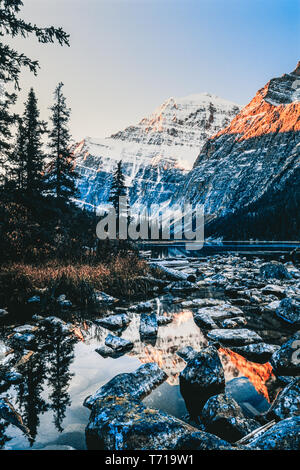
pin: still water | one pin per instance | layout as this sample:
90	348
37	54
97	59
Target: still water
57	380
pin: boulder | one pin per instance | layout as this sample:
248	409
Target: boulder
164	320
234	322
201	440
118	344
274	270
186	353
202	377
3	312
237	337
287	403
203	320
260	352
25	340
117	423
104	299
289	311
143	306
224	418
273	289
136	385
286	360
181	286
114	322
148	325
284	435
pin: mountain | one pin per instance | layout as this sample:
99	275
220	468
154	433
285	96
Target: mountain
250	162
156	153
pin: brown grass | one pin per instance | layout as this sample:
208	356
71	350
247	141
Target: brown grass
78	281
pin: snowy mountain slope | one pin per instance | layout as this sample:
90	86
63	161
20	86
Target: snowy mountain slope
156	153
258	150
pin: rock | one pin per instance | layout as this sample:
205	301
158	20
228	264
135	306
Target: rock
272	306
287	403
274	270
136	385
272	289
234	337
26	340
234	322
286	361
289	311
63	301
186	353
3	312
200	303
202	377
10	415
114	322
221	312
105	351
143	306
104	299
118	344
148	325
34	300
284	435
117	423
224	418
201	440
25	329
260	352
174	274
203	320
181	286
55	322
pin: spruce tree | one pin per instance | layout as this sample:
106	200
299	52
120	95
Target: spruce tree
32	162
61	174
6	121
118	188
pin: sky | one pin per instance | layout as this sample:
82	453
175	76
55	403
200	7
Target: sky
128	56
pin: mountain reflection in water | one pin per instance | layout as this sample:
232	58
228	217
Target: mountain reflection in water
67	369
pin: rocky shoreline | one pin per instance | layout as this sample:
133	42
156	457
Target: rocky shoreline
256	320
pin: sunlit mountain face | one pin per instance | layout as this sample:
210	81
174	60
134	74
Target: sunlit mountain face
156	153
257	151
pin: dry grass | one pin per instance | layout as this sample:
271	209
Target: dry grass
78	281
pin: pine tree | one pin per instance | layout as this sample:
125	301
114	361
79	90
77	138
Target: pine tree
11	64
6	121
61	174
11	61
118	188
32	161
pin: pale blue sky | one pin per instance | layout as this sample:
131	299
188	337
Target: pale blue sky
128	56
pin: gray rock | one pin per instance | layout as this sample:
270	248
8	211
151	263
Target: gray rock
34	300
224	418
186	353
201	440
114	322
284	435
286	361
289	311
181	286
274	270
3	312
203	320
25	329
143	306
148	325
104	299
164	320
287	403
260	353
238	337
202	377
136	385
234	322
117	423
26	340
118	344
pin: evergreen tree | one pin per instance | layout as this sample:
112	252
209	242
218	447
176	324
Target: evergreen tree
11	61
61	174
11	64
32	162
118	188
